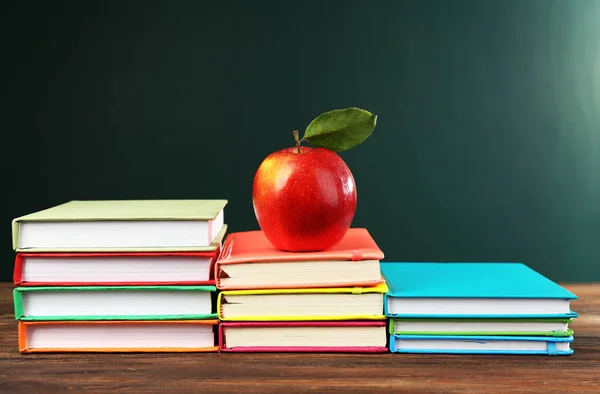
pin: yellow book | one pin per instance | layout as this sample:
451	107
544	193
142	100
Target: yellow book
342	303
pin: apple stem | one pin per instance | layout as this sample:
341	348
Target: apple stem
297	140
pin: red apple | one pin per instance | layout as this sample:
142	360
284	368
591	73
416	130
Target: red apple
304	198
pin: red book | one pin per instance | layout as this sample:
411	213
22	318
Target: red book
303	337
115	268
249	261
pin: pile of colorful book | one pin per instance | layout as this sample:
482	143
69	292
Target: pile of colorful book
476	308
165	276
276	301
118	276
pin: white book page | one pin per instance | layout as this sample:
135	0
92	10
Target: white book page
116	269
468	326
129	336
369	304
116	234
116	303
451	344
299	272
476	306
305	336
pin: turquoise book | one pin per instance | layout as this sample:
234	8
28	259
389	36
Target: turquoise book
472	290
457	344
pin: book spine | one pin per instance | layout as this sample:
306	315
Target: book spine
385	306
221	336
220	307
15	234
392	343
22	337
217	275
18	271
227	247
18	303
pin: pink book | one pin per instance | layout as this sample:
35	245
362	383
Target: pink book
303	337
249	261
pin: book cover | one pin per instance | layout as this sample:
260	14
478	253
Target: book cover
455	344
116	336
126	212
379	289
168	308
380	348
417	284
19	280
253	247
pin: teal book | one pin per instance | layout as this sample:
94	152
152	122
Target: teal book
472	290
79	303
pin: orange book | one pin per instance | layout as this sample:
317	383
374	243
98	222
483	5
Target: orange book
249	261
118	336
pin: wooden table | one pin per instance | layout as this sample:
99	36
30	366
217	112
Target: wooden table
304	373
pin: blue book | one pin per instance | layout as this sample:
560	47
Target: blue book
552	346
472	290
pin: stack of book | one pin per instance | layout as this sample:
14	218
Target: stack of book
276	301
476	308
118	276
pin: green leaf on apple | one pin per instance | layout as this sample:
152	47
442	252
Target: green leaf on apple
340	129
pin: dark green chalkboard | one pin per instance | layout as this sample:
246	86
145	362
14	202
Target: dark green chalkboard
487	146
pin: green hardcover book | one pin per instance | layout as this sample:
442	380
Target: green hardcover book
478	327
122	225
114	303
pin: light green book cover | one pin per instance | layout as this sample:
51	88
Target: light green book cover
476	327
126	211
20	315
